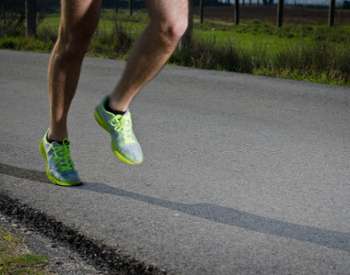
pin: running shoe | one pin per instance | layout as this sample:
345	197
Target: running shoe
124	143
59	165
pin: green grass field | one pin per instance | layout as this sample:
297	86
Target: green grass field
299	51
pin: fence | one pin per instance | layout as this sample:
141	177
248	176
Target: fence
279	6
29	9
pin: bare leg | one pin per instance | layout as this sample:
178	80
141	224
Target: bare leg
168	22
78	22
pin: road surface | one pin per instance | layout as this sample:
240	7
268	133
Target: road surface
242	174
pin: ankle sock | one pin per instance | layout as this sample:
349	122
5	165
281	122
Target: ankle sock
52	140
109	109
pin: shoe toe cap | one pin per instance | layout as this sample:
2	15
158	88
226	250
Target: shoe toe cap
71	177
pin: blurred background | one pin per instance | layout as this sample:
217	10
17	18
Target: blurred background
297	39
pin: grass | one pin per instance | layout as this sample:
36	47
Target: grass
16	259
298	51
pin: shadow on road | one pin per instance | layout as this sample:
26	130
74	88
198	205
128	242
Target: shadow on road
212	212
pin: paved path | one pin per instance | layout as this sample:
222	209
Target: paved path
243	174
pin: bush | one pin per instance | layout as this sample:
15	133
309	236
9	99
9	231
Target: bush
122	39
317	60
111	43
210	56
23	43
47	34
314	61
229	57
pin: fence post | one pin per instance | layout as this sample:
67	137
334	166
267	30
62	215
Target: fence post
237	14
116	6
201	7
131	7
331	13
31	14
186	40
280	8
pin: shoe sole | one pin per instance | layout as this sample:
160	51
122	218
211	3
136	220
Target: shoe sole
119	155
50	176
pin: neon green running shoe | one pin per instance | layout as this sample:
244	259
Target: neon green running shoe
59	165
124	143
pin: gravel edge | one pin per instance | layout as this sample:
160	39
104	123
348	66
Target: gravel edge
99	255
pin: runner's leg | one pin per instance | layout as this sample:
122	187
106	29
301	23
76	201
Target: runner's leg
78	22
168	22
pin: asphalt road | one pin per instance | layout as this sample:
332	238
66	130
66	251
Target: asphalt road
242	174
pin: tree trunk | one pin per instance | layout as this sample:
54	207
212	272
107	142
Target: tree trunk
31	14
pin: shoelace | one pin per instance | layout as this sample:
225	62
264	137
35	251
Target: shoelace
123	125
61	156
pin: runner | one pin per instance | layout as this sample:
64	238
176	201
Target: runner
79	19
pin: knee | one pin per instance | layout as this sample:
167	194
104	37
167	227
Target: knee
175	30
171	31
73	45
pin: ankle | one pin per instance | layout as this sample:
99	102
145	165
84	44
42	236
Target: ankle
115	107
56	136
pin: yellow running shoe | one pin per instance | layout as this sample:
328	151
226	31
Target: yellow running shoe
59	165
124	143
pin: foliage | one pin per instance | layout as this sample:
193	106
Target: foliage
11	17
298	51
24	43
112	43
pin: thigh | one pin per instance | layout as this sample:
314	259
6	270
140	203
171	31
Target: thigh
79	16
168	10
